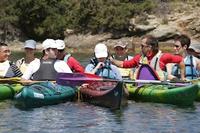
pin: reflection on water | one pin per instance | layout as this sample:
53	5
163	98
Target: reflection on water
82	117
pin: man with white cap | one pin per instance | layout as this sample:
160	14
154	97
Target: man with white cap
71	61
100	64
29	48
121	53
47	67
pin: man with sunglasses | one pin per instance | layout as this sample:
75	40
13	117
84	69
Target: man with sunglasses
192	63
71	61
48	66
7	68
150	54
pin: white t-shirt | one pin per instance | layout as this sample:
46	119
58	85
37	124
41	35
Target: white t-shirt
4	68
60	66
22	65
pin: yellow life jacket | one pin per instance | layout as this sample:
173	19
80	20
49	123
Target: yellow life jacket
156	66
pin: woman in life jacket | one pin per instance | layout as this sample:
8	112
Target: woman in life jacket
100	65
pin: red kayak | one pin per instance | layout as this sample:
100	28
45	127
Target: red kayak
106	94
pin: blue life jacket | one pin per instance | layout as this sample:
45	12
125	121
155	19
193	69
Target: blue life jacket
105	71
190	70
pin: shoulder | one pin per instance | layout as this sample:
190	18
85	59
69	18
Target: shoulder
60	62
20	61
35	62
169	55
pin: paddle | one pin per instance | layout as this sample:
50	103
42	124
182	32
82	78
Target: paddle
10	80
76	79
17	80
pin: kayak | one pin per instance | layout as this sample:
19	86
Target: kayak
44	93
106	94
164	94
197	81
9	90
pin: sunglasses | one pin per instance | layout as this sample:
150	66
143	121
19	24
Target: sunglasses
144	46
177	46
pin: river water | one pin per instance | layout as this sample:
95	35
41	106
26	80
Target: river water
78	117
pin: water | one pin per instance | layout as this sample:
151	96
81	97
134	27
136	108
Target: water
80	117
77	117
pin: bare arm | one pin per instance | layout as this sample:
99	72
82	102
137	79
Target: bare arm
169	67
198	64
182	69
116	62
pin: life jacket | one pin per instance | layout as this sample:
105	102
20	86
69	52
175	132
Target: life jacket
190	68
105	71
66	58
127	73
9	69
154	63
22	65
156	66
46	70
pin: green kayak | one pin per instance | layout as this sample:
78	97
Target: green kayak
164	94
44	93
8	91
198	95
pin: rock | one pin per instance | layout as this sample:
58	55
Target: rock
164	32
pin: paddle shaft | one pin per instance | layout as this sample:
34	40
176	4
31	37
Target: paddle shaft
125	81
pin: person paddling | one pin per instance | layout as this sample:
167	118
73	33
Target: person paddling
71	61
101	65
150	54
29	48
7	68
48	66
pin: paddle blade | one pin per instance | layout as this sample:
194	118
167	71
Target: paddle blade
145	72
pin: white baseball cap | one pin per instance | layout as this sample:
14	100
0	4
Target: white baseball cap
49	43
60	44
101	50
30	44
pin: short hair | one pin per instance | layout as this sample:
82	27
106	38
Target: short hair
152	41
183	39
3	44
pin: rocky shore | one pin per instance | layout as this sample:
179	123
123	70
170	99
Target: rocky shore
182	19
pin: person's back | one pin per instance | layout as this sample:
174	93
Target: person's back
7	68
